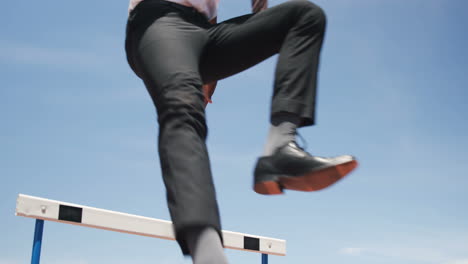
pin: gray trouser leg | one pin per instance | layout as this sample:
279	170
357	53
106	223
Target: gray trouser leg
169	54
295	30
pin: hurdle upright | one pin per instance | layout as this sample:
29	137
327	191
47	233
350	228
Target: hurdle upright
43	209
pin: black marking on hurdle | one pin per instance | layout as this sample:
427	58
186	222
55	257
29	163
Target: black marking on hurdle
251	243
70	213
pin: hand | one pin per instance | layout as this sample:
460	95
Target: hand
259	5
213	21
208	90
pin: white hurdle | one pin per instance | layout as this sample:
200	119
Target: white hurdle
49	210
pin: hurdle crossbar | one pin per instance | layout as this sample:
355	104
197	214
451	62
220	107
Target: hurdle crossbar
68	213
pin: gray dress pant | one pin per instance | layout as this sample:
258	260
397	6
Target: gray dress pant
174	50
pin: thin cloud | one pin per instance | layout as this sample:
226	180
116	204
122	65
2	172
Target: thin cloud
70	262
20	53
459	261
9	261
426	255
174	260
352	251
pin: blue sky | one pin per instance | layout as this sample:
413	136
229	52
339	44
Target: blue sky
78	126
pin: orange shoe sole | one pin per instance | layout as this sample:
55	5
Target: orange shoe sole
313	181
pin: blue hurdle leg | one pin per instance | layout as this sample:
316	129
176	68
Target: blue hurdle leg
264	259
36	252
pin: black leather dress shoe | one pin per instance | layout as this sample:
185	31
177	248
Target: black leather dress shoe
290	167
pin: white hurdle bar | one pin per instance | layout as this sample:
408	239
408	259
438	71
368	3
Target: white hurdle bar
49	210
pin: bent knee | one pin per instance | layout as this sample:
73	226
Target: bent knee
311	10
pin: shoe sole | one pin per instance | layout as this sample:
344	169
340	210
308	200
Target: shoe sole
309	182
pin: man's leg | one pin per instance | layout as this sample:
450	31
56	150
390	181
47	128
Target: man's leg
295	30
167	57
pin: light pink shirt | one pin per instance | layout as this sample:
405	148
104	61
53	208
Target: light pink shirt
207	7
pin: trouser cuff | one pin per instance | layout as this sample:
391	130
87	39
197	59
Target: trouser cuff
304	111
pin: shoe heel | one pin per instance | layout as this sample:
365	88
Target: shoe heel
268	188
